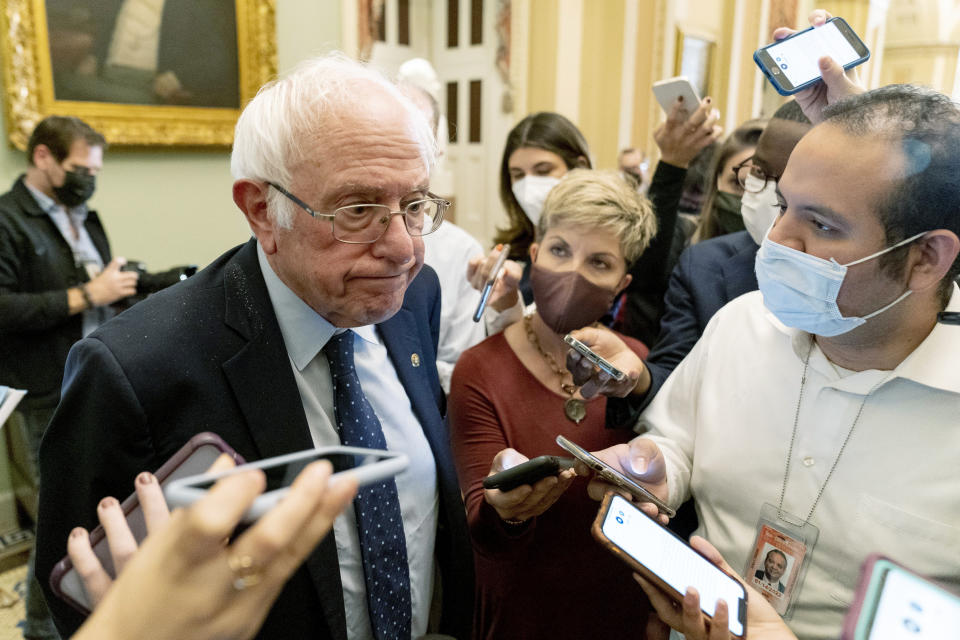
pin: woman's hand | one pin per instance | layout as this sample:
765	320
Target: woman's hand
526	501
681	138
505	293
763	623
186	581
611	348
837	83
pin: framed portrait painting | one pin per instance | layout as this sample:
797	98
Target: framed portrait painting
143	72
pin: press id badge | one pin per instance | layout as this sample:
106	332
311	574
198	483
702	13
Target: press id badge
780	556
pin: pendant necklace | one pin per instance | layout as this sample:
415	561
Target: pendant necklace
574	408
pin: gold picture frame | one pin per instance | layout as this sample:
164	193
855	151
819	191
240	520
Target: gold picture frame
694	57
29	92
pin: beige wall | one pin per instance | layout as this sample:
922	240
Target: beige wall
172	206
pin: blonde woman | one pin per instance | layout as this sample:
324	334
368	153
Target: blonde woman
539	573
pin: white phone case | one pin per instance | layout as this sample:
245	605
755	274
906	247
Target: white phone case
667	91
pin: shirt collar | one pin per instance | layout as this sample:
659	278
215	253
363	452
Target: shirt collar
49	205
305	332
932	363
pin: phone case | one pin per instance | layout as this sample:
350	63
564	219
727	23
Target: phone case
597	531
527	473
789	92
667	91
194	457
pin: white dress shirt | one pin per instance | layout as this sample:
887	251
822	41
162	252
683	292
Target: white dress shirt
723	420
447	250
136	36
305	333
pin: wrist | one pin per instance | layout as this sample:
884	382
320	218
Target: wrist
675	162
87	299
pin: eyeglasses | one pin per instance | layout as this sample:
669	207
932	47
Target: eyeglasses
747	168
366	223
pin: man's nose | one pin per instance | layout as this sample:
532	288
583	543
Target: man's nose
784	231
395	244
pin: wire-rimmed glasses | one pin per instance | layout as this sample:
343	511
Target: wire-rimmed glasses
366	223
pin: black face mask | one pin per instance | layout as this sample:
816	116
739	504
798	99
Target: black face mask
76	189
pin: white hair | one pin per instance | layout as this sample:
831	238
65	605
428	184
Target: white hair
285	122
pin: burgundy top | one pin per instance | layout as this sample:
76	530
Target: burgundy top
548	578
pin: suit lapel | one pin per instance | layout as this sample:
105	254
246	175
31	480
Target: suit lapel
266	392
738	272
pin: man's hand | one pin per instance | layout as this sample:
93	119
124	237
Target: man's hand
763	623
640	460
611	348
505	292
837	83
681	138
525	501
112	284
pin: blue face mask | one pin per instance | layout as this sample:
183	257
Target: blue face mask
801	290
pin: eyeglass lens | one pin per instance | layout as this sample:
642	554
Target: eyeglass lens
367	222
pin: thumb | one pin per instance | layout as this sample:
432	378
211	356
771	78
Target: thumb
507	459
117	263
831	72
645	460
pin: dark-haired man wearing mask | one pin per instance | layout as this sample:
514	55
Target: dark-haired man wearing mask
57	279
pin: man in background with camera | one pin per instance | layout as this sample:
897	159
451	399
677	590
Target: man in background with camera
57	282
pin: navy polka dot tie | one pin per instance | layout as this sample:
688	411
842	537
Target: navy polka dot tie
382	542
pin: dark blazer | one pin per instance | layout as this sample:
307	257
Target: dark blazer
207	355
36	269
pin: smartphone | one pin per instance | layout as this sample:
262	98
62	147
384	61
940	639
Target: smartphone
667	91
894	603
368	465
528	472
194	457
595	358
492	280
614	477
791	63
665	559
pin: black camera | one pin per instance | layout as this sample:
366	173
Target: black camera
149	283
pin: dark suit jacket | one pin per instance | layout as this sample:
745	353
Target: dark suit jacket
208	355
759	575
36	269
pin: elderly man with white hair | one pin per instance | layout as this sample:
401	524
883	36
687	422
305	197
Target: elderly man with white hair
265	347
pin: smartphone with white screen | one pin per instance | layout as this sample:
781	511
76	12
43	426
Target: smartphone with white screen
791	64
367	465
665	559
602	363
667	91
614	477
194	457
894	603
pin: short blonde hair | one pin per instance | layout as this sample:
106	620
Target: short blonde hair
604	200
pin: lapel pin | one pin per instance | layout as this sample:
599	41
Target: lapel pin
415	359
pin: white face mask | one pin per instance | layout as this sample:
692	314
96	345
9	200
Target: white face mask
801	289
531	192
759	208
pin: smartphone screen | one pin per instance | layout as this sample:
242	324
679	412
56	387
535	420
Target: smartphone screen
796	57
672	560
908	607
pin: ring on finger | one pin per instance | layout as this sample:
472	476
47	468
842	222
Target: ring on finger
246	572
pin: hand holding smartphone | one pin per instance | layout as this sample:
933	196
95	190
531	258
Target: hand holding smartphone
615	477
527	473
194	457
591	355
665	560
792	64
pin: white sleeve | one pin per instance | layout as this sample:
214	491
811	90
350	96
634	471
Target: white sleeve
672	417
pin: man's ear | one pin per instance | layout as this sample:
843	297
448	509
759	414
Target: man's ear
937	252
41	153
251	197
